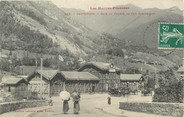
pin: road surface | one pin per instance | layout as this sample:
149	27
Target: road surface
90	106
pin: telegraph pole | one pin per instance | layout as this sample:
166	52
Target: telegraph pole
41	77
41	68
10	54
0	60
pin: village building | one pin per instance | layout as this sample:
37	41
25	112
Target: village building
181	71
54	81
83	82
16	86
131	81
45	83
108	74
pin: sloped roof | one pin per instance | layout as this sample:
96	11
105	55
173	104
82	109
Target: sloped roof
48	74
3	55
74	75
1	84
11	80
100	65
130	77
30	69
181	70
1	76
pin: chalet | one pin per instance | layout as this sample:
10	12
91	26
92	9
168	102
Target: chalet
16	86
82	81
54	81
50	83
108	74
131	81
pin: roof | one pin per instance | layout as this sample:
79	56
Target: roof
30	69
1	84
73	75
181	70
130	77
48	74
12	80
3	55
100	65
1	76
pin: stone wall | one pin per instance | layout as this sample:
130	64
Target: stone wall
11	106
170	109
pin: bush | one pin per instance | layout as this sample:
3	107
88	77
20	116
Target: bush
132	70
171	93
170	90
115	52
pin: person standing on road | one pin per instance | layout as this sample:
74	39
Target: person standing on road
109	100
65	106
65	98
76	99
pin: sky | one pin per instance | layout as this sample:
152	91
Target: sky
86	4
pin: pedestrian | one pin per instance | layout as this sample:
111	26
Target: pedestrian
65	106
109	100
50	101
65	98
76	99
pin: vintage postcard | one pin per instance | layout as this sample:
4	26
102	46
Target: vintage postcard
91	58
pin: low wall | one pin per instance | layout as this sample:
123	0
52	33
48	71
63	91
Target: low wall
170	109
11	106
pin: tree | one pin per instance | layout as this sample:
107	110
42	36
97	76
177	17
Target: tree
170	89
5	65
115	52
132	70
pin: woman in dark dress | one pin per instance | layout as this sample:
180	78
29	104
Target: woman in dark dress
65	106
76	99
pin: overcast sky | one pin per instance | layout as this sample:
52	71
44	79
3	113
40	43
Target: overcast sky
86	4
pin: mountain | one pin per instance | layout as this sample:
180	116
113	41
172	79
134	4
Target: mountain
32	27
132	25
43	27
147	33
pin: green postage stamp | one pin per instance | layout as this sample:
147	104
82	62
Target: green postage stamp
170	36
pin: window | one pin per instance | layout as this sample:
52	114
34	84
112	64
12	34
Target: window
9	89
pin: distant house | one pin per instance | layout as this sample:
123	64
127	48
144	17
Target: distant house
82	81
181	71
131	81
3	56
108	74
16	86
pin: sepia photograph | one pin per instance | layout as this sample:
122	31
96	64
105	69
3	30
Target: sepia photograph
91	58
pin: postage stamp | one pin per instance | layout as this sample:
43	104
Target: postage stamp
171	36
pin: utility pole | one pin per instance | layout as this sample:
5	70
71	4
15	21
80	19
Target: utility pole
41	77
1	60
10	54
41	68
